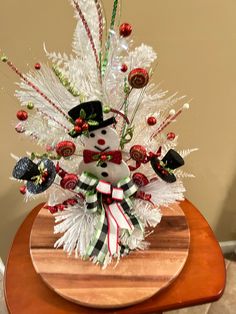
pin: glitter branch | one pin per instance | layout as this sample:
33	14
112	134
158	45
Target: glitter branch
82	17
11	65
100	19
113	18
53	119
170	118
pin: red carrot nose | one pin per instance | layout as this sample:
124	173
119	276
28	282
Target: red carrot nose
101	142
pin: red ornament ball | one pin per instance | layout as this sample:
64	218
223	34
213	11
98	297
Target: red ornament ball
140	179
37	66
151	121
124	68
69	181
171	136
22	115
125	29
138	153
65	148
22	189
138	78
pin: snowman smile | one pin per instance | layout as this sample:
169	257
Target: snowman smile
102	150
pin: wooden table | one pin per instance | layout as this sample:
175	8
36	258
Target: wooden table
202	279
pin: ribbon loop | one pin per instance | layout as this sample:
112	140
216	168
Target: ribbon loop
104	187
114	217
117	194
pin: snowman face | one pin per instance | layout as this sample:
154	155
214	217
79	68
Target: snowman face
104	139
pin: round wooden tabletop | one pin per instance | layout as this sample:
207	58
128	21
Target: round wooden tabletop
201	280
136	278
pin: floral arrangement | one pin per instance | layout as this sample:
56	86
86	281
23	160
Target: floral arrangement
107	164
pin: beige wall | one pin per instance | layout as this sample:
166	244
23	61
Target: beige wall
196	44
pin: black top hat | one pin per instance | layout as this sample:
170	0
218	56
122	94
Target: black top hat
163	168
91	109
26	169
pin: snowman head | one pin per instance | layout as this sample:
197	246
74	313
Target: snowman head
103	139
90	114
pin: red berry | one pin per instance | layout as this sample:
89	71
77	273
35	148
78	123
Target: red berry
124	68
151	121
171	136
37	66
85	127
103	157
22	189
125	29
22	115
79	121
77	129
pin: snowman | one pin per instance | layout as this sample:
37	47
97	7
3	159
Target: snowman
105	186
101	156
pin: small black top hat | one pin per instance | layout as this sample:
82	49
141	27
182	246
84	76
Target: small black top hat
26	169
172	160
92	109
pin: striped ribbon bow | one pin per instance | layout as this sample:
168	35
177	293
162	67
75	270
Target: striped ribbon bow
113	217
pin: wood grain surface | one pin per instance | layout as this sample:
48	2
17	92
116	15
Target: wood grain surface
136	278
202	279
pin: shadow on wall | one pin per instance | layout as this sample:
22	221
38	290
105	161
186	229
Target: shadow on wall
226	227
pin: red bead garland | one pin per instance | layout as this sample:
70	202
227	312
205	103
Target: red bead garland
151	121
125	29
22	115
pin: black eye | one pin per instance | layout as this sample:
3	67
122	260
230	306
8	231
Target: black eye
104	132
92	134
